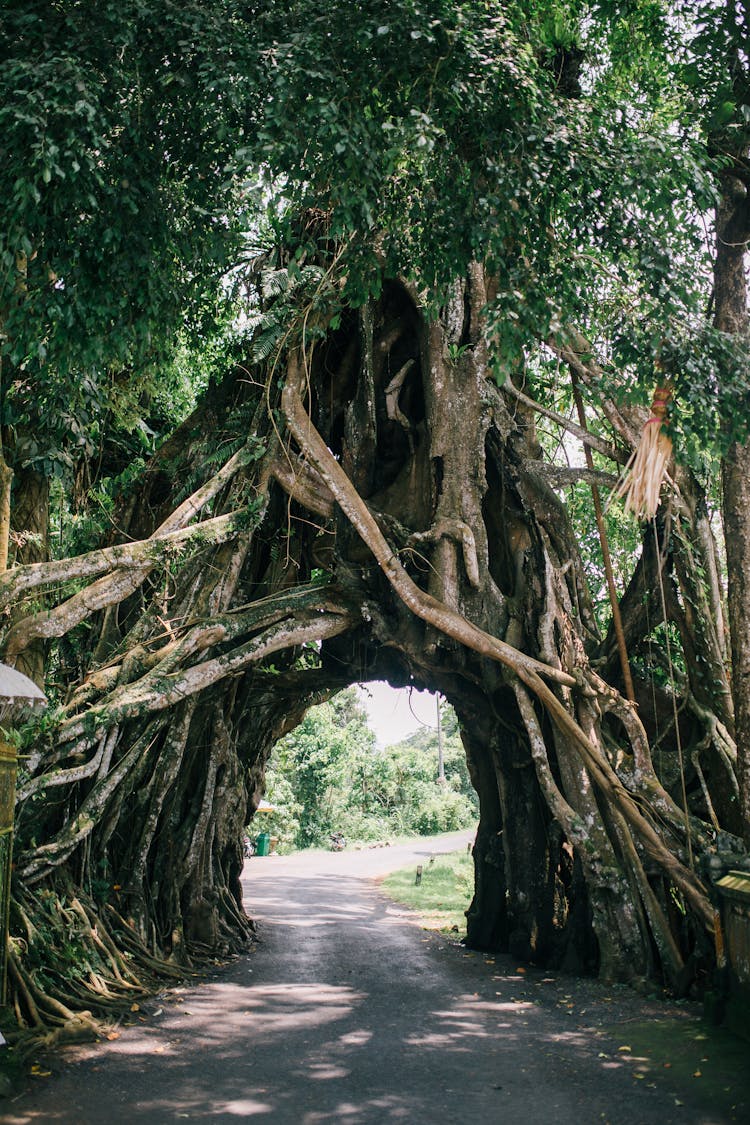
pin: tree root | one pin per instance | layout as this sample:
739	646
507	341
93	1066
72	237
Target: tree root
62	1004
96	931
137	560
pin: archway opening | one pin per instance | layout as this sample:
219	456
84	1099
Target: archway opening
370	766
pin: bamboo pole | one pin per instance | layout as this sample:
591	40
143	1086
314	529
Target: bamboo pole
8	765
622	649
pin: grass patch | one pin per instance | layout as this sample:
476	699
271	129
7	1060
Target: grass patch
443	895
707	1065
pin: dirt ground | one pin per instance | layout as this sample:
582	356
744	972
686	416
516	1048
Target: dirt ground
346	1011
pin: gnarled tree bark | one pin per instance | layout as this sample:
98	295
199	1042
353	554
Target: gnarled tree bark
391	533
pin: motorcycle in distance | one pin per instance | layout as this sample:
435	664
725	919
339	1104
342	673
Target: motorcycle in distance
338	841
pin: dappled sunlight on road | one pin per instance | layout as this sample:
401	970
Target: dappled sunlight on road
324	1071
356	1038
375	1109
244	1107
286	1007
338	900
277	1009
344	1013
468	1020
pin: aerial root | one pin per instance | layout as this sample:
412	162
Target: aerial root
68	1003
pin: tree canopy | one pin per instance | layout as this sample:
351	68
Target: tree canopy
144	156
367	280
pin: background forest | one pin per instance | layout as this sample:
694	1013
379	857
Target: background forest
326	335
329	776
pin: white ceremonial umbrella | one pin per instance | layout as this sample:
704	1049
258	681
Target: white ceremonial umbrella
17	690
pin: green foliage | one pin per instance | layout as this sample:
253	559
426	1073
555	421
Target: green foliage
115	129
509	130
327	775
423	745
313	759
300	303
562	142
710	67
49	960
709	372
119	117
284	821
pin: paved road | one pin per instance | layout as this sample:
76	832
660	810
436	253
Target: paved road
347	1012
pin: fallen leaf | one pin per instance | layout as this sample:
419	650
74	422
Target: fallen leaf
135	1007
666	1065
697	1074
625	1048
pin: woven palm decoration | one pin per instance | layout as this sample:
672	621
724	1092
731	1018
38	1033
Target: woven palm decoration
642	477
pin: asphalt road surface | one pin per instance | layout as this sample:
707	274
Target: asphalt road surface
345	1011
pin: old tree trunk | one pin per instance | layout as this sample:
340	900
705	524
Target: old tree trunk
384	510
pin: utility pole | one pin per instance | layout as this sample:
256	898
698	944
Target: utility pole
441	764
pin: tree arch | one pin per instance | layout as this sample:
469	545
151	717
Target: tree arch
461	208
385	511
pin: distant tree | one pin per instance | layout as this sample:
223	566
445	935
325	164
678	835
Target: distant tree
328	775
425	740
318	762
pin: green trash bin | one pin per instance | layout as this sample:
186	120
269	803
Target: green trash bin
263	844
